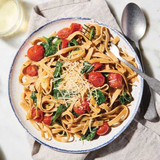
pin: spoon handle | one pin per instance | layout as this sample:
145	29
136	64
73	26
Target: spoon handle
152	82
151	113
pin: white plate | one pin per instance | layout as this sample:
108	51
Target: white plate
15	90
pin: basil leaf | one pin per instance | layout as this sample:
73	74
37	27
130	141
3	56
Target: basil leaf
98	96
59	111
85	136
125	98
92	33
87	67
34	97
49	47
92	134
105	74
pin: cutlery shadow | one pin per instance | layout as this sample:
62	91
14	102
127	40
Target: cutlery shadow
2	156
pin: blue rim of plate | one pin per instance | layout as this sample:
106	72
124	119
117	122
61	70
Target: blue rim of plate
136	108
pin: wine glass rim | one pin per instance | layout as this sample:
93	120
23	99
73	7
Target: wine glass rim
18	17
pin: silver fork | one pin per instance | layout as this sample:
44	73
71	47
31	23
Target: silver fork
152	82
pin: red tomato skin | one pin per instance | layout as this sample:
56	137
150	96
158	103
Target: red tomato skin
102	130
40	115
97	65
115	80
32	70
75	27
79	110
35	53
64	45
47	120
85	104
64	33
96	78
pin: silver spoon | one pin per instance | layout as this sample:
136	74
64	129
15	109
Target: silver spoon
134	26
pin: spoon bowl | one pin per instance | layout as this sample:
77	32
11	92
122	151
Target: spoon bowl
136	26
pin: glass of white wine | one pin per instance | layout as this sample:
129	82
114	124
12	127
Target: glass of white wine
11	16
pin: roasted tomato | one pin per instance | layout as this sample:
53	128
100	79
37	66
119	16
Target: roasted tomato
64	33
64	45
97	65
32	70
47	120
75	27
96	78
82	108
35	53
115	80
103	129
39	115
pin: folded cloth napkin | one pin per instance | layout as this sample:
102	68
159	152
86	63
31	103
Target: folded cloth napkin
137	142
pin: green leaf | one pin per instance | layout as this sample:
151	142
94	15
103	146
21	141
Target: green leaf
92	134
92	33
59	111
50	48
105	74
71	43
87	67
89	135
74	113
98	96
34	97
125	98
58	71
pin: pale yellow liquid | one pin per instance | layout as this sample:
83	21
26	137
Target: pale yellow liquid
8	15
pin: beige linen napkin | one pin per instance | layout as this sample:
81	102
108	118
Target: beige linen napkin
137	142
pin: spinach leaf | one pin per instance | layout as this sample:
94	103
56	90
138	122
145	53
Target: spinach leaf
85	136
87	67
98	96
74	113
58	113
92	33
89	135
92	134
73	42
125	98
105	74
49	47
34	97
58	71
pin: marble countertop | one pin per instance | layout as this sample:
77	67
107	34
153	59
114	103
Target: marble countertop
13	141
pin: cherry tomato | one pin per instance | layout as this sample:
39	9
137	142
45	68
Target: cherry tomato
64	45
96	78
115	80
34	114
32	70
103	129
64	33
79	110
47	120
97	65
36	53
82	108
75	27
85	104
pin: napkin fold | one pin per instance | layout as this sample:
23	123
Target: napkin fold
137	142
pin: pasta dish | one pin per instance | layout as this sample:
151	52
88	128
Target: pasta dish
72	88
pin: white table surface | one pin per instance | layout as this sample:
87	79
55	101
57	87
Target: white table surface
13	141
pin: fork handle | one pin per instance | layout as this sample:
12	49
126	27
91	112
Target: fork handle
152	82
